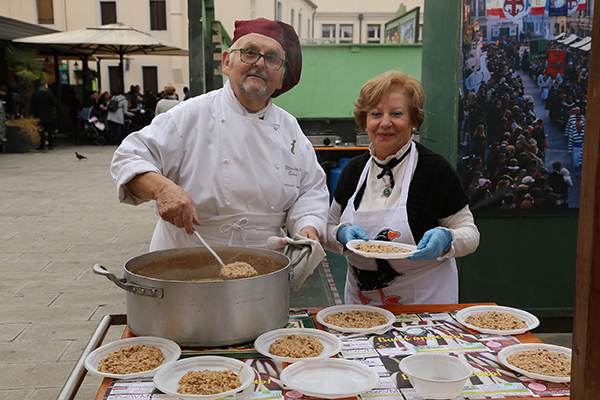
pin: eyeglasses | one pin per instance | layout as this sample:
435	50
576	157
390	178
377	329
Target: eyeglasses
251	57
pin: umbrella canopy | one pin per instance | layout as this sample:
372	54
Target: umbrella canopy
117	39
107	39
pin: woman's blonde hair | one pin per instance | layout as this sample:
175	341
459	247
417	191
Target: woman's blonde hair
373	91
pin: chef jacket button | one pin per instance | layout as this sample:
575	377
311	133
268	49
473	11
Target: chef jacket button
224	159
276	166
227	203
222	119
272	207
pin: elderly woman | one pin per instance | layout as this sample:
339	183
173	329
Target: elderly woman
399	191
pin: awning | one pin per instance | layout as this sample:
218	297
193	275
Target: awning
582	42
560	36
568	40
586	47
13	29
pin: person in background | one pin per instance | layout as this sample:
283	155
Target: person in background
4	95
137	99
151	102
102	102
186	93
116	119
168	101
479	142
43	104
557	182
230	163
399	191
575	131
14	103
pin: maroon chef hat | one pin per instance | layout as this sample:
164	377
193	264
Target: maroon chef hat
286	36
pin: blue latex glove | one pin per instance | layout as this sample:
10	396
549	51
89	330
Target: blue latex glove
434	242
351	232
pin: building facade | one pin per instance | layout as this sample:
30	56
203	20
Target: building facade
361	21
164	20
298	13
330	21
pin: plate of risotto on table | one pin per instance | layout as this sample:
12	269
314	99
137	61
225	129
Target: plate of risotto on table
297	344
356	318
497	320
204	377
540	361
133	357
381	249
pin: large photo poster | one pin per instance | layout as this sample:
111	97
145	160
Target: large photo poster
521	119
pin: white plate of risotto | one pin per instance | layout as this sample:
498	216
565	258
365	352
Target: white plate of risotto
204	377
540	361
297	344
132	357
381	249
497	320
356	318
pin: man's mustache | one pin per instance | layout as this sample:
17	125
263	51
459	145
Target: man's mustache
257	72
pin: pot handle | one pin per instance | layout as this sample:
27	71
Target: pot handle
301	255
129	287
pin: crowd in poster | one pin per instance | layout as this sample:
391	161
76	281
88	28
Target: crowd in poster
505	158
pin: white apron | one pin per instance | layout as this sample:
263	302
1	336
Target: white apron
386	282
247	230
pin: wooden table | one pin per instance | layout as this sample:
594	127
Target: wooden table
527	337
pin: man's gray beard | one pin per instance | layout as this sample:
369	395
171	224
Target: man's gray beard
254	92
251	91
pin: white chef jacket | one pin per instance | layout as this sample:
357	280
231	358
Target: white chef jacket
248	174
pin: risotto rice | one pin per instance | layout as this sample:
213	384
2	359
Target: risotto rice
542	362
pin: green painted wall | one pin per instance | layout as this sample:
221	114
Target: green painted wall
442	40
524	262
332	76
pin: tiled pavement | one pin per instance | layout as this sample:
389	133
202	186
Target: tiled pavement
58	217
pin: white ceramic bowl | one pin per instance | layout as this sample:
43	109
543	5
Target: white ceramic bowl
436	376
170	350
517	348
531	320
331	344
391	318
167	378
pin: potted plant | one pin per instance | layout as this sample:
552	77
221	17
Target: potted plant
27	68
21	134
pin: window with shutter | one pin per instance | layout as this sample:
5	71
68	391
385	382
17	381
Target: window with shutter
108	11
158	15
45	10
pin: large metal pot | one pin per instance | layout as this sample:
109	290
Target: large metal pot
166	297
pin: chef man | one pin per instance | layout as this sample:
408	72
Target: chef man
230	163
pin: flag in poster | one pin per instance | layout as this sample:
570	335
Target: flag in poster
494	7
575	5
556	62
538	7
515	9
557	8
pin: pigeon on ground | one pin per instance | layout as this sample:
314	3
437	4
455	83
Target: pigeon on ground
79	156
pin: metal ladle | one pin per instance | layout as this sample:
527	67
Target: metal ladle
209	248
